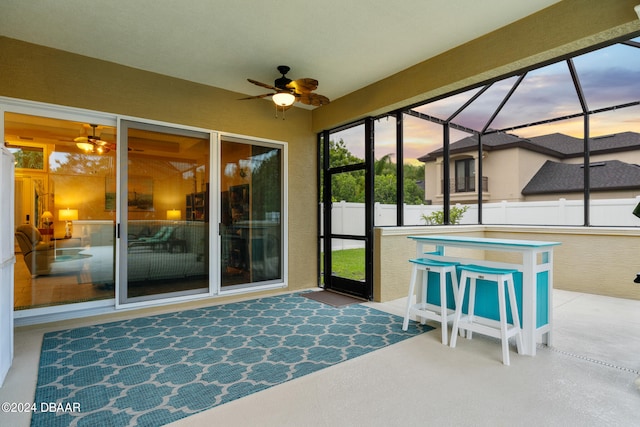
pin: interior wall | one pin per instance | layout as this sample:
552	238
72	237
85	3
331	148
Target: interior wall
564	28
38	73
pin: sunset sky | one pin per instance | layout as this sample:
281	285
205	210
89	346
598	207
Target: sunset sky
609	76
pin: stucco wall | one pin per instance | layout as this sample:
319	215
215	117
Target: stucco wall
42	74
600	261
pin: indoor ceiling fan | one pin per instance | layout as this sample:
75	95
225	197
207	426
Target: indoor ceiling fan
287	91
93	144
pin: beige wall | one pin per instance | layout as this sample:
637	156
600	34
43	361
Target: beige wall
41	74
509	171
592	260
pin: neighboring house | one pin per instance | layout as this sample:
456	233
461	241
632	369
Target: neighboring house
538	168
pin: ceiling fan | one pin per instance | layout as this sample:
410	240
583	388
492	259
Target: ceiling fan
93	144
287	91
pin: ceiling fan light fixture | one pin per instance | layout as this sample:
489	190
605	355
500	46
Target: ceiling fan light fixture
101	149
283	99
87	147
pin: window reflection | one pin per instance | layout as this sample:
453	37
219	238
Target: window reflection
64	230
250	226
167	208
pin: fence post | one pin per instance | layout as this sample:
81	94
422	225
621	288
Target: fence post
562	211
503	211
343	208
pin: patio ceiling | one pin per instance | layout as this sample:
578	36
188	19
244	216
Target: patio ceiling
221	43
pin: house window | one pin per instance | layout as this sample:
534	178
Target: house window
27	157
465	175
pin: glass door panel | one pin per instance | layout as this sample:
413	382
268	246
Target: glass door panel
65	249
164	206
251	194
348	211
348	235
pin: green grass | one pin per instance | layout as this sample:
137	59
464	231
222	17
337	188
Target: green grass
348	263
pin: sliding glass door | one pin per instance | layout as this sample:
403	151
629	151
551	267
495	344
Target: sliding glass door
63	229
123	208
164	211
251	213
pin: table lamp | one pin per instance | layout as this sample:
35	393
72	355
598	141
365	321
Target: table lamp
47	218
68	215
174	215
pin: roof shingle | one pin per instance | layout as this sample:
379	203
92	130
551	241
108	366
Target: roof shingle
609	175
558	145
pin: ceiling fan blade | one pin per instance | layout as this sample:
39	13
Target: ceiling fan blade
255	82
303	85
264	95
313	99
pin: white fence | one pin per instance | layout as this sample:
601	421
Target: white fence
348	218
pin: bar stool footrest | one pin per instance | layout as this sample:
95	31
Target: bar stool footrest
487	327
430	311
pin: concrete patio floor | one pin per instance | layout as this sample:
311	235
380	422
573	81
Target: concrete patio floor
588	377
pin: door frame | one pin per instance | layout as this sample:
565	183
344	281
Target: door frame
284	214
332	282
123	124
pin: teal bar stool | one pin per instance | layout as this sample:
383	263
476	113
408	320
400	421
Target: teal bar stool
422	308
498	277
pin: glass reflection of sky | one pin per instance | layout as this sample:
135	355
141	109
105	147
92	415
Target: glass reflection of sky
609	76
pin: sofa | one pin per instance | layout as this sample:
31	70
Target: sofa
37	254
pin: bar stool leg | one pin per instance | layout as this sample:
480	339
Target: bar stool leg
472	305
514	312
412	286
423	291
455	286
458	314
444	313
501	282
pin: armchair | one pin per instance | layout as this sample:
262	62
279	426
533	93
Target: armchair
37	254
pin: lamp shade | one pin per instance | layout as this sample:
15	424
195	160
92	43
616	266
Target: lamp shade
68	214
283	99
47	216
174	214
87	147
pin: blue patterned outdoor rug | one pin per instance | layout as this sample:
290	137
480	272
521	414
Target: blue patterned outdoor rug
151	371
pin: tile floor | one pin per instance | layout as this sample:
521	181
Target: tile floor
588	377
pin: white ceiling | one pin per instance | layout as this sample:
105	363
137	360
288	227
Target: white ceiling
345	44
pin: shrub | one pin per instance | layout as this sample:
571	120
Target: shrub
455	215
